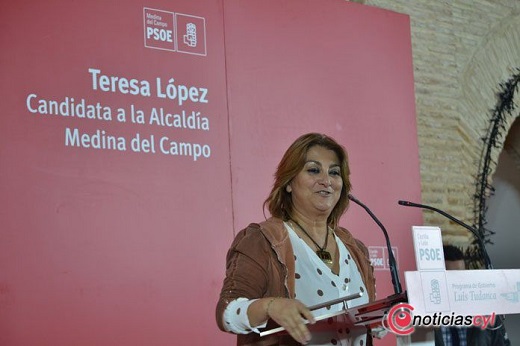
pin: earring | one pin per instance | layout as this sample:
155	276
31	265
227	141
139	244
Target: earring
288	188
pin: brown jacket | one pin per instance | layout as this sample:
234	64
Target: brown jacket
260	263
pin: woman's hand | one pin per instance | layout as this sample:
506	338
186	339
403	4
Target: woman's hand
378	332
291	315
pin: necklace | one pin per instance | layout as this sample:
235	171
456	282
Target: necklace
323	254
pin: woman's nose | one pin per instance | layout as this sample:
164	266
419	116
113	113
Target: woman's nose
325	180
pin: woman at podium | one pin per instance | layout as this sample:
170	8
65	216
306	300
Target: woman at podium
299	256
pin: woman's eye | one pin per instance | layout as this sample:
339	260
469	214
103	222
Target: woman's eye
313	170
335	173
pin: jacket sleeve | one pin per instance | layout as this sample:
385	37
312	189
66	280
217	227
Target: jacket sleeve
247	268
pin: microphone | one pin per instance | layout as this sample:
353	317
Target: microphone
391	259
476	234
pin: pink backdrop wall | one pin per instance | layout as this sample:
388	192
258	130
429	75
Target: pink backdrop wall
127	245
341	69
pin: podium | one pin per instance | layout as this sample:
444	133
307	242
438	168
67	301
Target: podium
367	315
372	314
480	297
433	289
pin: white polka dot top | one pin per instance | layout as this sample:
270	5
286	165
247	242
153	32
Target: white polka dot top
316	283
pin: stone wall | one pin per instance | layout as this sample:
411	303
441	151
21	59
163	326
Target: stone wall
462	51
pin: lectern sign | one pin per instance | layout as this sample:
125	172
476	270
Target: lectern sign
434	291
428	248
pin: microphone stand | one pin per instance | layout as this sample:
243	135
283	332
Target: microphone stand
391	259
476	234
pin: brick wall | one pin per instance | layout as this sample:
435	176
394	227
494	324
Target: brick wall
462	51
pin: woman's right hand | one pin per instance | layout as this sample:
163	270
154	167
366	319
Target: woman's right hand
291	314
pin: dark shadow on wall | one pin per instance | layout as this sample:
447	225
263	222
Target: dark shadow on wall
503	216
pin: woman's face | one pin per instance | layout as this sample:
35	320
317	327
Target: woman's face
317	188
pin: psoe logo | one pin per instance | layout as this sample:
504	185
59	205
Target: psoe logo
175	32
379	257
435	296
191	34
